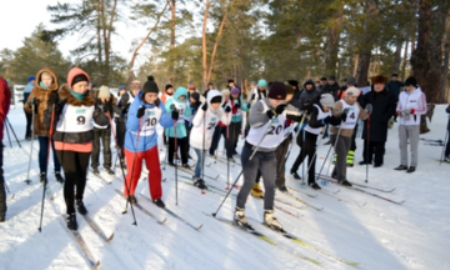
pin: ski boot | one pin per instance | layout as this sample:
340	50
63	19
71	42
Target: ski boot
81	208
59	177
132	199
350	158
411	169
159	203
95	170
295	175
257	191
345	183
271	222
282	188
198	182
72	222
2	217
110	172
43	178
314	185
401	168
186	166
240	219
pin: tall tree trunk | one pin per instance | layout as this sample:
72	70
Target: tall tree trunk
405	60
105	69
136	50
397	55
173	19
331	52
427	57
99	38
204	48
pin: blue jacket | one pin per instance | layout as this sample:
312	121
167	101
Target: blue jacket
238	117
133	125
28	88
181	127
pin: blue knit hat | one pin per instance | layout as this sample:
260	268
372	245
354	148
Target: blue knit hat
31	78
122	87
262	83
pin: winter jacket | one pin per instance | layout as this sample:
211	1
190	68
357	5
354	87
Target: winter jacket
448	123
331	89
185	113
414	101
206	123
383	104
394	88
308	97
101	119
124	103
41	95
145	126
5	102
256	96
352	117
165	97
236	114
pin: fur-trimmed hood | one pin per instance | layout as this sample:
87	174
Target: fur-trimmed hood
51	88
67	97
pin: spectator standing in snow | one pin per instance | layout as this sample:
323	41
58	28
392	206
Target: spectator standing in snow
412	104
5	101
394	86
26	93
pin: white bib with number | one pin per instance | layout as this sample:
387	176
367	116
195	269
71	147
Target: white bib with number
275	134
352	115
181	107
75	119
149	121
321	115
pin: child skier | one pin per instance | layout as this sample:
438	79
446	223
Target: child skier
73	116
179	103
47	84
221	130
105	105
203	126
267	118
141	140
238	108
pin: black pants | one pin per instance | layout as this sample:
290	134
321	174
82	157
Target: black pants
28	128
447	148
188	132
374	148
308	149
103	135
120	135
235	129
353	145
182	144
75	169
216	138
2	184
263	162
281	161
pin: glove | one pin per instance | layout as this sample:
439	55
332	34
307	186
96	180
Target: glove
344	116
175	115
108	107
53	99
172	107
327	120
205	107
369	108
141	112
237	106
228	109
412	111
280	109
270	114
32	101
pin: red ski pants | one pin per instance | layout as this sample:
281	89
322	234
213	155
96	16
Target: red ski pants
151	158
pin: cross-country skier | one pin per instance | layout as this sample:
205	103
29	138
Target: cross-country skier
5	100
203	126
267	119
141	140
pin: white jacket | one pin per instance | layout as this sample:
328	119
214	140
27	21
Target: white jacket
212	118
416	101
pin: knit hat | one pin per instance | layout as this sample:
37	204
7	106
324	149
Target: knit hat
103	92
352	92
150	86
379	79
225	92
309	81
262	83
323	79
191	87
196	96
217	99
230	81
327	100
277	91
411	81
293	83
289	89
350	80
235	91
122	87
332	78
31	78
77	75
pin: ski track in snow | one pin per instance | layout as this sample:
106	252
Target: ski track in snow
379	235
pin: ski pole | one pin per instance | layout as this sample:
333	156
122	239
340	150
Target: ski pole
242	171
203	156
28	180
48	154
304	155
315	152
443	148
128	185
9	138
331	146
228	160
295	137
368	151
13	132
176	165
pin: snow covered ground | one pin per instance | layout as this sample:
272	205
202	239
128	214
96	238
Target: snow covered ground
379	235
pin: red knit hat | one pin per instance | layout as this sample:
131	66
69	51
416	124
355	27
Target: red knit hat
76	72
277	91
